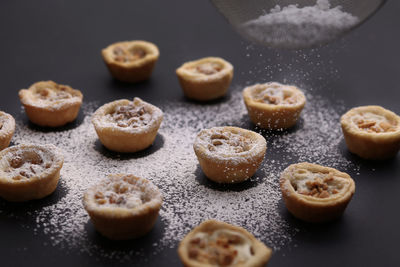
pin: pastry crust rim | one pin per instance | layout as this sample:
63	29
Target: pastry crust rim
152	54
8	129
289	192
246	157
249	99
262	252
358	133
185	74
120	212
25	96
56	164
157	117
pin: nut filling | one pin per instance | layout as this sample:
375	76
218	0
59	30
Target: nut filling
123	193
274	94
128	55
208	68
224	142
373	123
130	116
58	92
222	248
27	164
317	184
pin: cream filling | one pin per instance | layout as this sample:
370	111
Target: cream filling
321	185
371	122
223	248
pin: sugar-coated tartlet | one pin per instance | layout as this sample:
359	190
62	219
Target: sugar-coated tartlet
371	132
7	128
127	126
205	79
273	105
131	61
215	243
29	171
50	104
229	154
123	206
315	193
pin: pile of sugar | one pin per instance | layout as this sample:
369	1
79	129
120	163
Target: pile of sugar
298	27
171	164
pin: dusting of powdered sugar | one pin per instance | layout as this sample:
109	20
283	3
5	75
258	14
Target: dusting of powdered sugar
297	27
188	197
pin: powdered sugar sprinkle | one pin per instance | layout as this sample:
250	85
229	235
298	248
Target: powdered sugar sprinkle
189	198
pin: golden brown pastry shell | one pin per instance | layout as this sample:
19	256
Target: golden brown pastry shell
205	88
372	146
137	70
7	130
121	140
262	253
231	169
48	116
35	187
273	117
123	223
314	209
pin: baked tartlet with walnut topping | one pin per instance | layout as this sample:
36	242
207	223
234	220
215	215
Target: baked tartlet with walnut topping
229	154
123	206
273	105
131	61
315	193
50	104
29	171
371	132
7	128
205	79
215	243
127	126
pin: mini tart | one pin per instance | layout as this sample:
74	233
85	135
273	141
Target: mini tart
7	128
229	154
29	171
205	79
127	126
50	104
131	61
315	193
273	105
123	206
215	243
371	132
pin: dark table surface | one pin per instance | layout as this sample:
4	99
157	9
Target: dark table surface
61	40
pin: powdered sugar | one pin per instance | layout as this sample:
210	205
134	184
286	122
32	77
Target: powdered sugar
189	198
295	27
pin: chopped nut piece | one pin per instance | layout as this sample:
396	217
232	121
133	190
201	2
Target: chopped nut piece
367	124
208	68
99	195
16	162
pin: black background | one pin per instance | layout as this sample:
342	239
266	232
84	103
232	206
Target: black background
61	40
